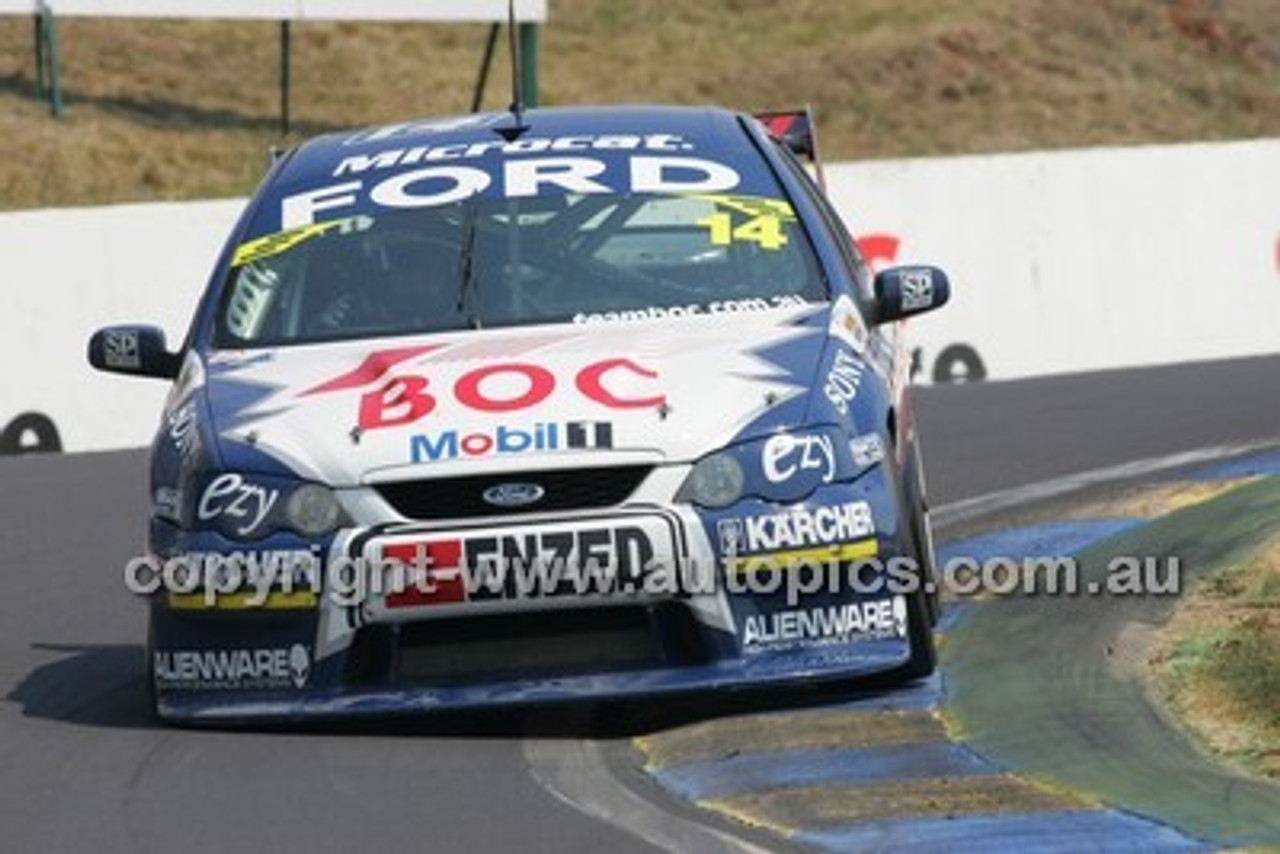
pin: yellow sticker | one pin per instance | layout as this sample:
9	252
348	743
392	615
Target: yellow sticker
752	206
283	241
796	559
276	600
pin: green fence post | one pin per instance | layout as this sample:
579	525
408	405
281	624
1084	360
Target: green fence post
284	78
49	25
39	28
529	62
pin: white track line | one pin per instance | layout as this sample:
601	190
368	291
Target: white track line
994	502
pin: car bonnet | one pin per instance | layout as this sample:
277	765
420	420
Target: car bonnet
513	399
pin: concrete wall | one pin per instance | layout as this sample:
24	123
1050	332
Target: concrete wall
1084	260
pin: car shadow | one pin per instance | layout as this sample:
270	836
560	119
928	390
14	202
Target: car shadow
89	685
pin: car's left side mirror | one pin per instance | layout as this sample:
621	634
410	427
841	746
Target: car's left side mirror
139	351
907	291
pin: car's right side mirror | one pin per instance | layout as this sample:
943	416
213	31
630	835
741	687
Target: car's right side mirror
907	291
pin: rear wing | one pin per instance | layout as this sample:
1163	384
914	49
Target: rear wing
796	130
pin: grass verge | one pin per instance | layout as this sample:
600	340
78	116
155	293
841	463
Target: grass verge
1044	684
1218	663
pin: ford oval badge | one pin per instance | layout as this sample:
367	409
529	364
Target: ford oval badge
513	494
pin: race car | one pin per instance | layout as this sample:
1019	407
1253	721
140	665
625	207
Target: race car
575	403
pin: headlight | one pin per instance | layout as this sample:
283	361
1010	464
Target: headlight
784	467
312	510
715	481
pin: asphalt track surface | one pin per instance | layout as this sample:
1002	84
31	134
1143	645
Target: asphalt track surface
83	768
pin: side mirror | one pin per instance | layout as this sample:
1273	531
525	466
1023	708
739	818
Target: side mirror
903	292
138	351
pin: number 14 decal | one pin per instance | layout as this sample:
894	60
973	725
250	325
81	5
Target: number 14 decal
765	230
763	225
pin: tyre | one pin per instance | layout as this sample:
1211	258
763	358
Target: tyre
922	603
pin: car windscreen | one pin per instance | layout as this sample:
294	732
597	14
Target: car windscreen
486	262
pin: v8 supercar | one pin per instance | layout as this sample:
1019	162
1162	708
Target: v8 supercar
473	412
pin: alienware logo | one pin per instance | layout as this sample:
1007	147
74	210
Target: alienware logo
299	665
900	616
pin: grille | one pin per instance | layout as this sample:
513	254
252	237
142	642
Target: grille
526	644
459	650
462	497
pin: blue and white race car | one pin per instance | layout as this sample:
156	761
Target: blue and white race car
506	409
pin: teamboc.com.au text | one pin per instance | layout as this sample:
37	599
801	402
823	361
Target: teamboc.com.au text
254	577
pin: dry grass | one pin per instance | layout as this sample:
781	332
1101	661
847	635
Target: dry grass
1219	663
187	108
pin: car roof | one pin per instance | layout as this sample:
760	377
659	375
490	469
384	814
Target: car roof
710	128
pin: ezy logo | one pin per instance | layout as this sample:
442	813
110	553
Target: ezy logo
229	495
785	454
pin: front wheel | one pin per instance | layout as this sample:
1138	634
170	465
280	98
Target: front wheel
922	603
924	656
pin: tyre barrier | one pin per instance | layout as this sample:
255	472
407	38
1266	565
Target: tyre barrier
30	433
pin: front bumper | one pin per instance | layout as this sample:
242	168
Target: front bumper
697	601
